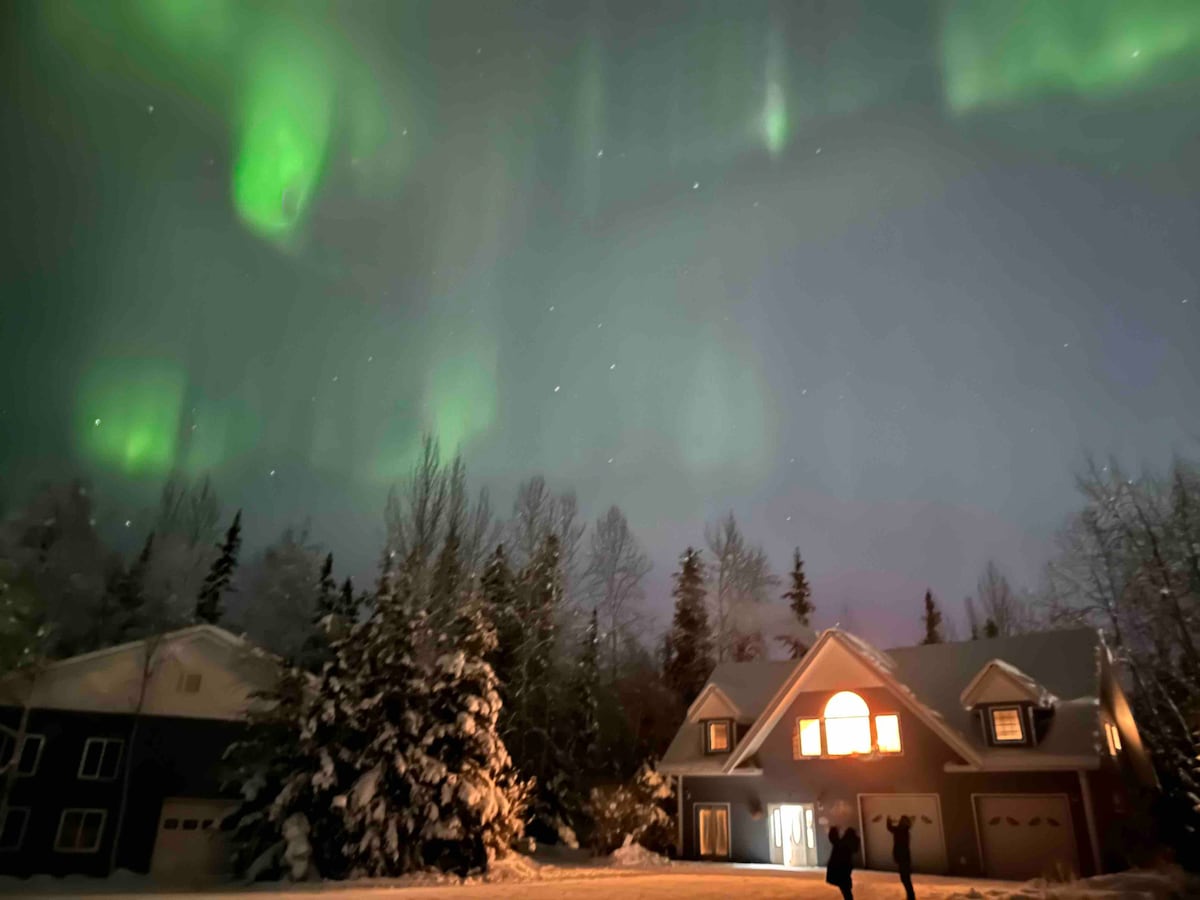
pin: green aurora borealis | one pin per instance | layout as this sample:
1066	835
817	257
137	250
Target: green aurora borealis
680	256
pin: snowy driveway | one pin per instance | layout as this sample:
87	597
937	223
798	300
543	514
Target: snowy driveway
687	881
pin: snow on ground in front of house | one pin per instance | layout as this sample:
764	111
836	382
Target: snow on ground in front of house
573	875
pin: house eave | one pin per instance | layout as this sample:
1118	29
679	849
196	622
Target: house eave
707	772
1036	763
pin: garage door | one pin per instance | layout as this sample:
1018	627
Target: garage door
1026	835
190	845
927	842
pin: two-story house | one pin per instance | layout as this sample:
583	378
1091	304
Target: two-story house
1013	757
126	741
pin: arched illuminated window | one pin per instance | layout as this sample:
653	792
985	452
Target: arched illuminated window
847	725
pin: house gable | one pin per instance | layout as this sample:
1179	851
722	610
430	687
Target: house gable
201	672
999	682
712	703
837	662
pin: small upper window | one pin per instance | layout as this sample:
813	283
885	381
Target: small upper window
189	683
1007	727
887	733
31	752
717	736
101	759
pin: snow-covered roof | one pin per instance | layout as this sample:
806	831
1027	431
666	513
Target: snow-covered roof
932	680
1008	678
224	672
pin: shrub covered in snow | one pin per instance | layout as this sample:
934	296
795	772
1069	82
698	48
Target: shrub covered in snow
632	813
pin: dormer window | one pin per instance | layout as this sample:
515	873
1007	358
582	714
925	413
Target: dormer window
1008	727
718	736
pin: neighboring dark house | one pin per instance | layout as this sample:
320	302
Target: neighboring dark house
1014	757
193	688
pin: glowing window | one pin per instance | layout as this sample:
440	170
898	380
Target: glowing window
777	827
887	733
847	725
712	825
716	736
1006	725
1114	738
810	737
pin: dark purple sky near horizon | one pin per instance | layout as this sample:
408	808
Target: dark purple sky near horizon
799	261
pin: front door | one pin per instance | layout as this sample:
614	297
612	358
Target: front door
793	834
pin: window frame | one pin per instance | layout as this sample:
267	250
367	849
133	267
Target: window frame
104	742
875	717
189	682
991	720
17	755
820	736
708	748
28	811
83	811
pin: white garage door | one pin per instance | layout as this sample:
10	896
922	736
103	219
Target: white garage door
927	842
1026	835
190	845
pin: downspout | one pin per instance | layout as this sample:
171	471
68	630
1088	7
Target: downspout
679	813
1089	815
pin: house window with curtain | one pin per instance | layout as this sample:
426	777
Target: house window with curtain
718	736
712	830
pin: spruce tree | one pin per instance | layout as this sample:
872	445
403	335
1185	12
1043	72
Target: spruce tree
500	596
480	800
932	619
799	594
327	600
208	604
690	661
585	704
347	604
991	629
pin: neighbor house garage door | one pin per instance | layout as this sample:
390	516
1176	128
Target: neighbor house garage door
1026	835
190	845
928	842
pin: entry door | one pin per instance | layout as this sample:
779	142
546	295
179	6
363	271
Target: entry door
190	845
793	835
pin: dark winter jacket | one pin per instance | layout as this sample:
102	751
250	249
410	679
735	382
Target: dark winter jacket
901	840
841	857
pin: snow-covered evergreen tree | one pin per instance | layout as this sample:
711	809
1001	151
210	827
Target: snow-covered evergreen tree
690	661
584	699
480	799
209	605
499	593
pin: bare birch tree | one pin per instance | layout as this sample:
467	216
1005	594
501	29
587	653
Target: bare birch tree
612	579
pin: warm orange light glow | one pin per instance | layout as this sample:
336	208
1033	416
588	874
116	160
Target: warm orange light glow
718	737
1006	725
887	733
847	724
810	737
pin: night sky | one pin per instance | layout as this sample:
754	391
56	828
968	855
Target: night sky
874	275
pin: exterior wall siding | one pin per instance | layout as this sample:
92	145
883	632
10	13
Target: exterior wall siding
833	785
171	757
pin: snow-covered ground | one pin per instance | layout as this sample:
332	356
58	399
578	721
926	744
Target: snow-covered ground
644	880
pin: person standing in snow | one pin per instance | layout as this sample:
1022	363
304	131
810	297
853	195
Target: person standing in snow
841	861
901	852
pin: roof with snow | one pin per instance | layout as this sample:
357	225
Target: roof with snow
1059	669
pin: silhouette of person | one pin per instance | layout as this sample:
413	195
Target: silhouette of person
902	852
841	861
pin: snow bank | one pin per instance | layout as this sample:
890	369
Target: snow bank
631	854
1136	884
